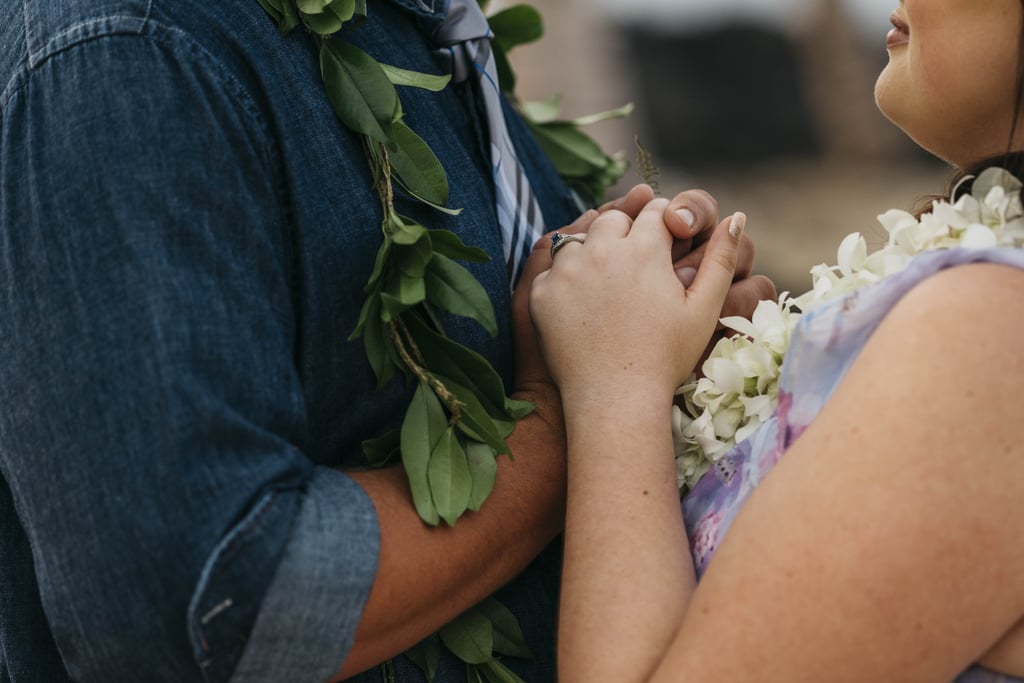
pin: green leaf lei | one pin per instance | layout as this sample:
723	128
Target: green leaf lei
459	418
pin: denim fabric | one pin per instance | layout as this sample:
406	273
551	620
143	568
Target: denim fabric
184	235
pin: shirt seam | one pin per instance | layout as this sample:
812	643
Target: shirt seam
80	32
179	43
147	30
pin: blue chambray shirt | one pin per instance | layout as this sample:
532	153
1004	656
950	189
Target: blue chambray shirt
185	230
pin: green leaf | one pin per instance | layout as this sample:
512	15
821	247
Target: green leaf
468	368
324	23
398	113
364	314
417	166
312	6
379	262
442	209
381	450
429	318
475	421
406	232
283	12
412	259
426	655
291	17
377	343
577	158
517	409
473	674
508	636
396	361
273	8
589	120
572	151
358	89
545	112
448	243
469	637
344	10
449	477
483	468
453	288
413	291
542	111
416	79
408	291
425	421
516	25
496	672
592	187
392	307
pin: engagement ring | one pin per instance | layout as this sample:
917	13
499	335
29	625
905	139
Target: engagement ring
559	240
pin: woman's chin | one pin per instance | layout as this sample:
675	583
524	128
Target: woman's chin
884	102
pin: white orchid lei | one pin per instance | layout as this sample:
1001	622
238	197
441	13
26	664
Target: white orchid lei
738	386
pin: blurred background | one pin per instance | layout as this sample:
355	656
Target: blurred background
767	104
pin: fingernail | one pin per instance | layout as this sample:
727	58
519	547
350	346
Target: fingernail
687	217
686	275
738	223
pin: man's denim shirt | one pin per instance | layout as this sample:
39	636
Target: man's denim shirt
185	230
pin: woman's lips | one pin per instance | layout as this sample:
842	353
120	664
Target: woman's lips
900	33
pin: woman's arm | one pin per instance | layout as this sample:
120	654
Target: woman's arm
627	575
412	597
885	545
597	310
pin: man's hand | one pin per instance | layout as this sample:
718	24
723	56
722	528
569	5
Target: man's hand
691	216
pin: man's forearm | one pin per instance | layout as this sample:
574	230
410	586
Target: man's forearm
426	575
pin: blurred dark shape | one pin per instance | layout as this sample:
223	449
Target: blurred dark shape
727	95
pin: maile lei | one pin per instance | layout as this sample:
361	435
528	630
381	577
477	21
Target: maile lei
738	386
459	417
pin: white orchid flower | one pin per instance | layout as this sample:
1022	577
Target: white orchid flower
739	388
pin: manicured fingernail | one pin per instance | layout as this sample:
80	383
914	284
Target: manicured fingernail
686	275
739	222
687	217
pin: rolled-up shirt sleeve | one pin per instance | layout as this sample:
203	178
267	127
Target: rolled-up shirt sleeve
306	596
153	429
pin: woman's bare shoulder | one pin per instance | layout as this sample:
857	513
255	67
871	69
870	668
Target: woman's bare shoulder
966	322
887	538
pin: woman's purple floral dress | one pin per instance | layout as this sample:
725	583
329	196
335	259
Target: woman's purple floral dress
823	346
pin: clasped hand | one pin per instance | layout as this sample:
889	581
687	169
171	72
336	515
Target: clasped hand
638	303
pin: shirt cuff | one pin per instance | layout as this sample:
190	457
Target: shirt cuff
308	617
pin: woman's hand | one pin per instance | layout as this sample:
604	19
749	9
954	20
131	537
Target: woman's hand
612	313
691	216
